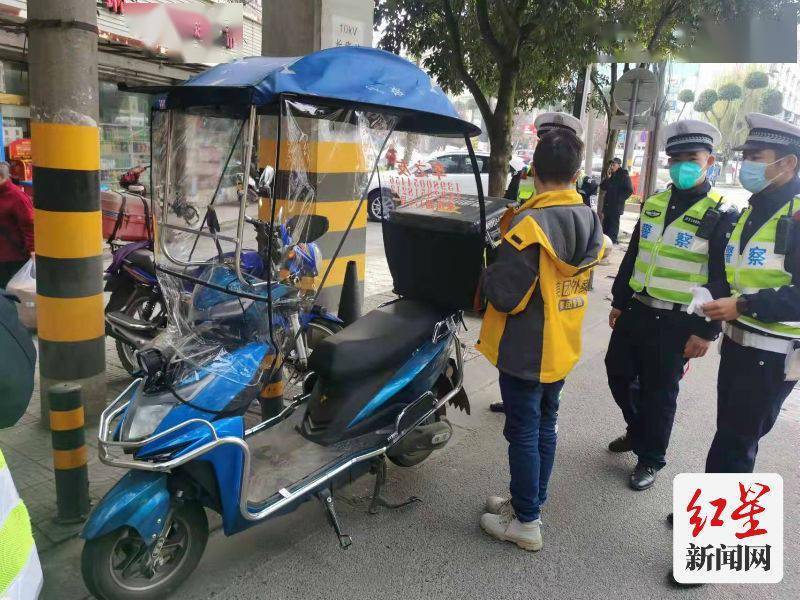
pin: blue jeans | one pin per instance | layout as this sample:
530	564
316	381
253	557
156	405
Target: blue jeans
531	413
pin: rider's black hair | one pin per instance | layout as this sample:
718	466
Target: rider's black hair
558	156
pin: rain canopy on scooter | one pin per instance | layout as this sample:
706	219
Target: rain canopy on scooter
236	272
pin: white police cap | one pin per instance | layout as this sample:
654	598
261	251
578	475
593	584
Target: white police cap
549	121
769	132
689	135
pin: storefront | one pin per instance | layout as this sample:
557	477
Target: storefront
124	116
124	132
124	122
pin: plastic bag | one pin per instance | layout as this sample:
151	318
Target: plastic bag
700	296
23	286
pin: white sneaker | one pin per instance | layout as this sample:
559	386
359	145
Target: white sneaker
497	505
527	536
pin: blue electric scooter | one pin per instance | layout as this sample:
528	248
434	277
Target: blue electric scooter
375	390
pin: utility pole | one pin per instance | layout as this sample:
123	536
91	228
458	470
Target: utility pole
62	51
297	28
659	109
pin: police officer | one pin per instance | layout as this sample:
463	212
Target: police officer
677	245
760	361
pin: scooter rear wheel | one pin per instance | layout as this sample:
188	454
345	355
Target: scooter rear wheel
412	459
144	308
113	566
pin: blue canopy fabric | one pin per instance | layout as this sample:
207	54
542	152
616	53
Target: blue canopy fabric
349	75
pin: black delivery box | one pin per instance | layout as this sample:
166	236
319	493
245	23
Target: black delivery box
435	250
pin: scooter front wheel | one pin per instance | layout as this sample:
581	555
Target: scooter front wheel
120	565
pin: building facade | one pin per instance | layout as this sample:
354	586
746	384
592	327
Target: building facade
124	116
785	77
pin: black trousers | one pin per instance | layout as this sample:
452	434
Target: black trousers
645	364
611	223
750	393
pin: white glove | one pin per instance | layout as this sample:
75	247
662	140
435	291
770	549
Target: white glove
700	296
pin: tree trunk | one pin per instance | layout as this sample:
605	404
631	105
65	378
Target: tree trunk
500	133
499	156
412	141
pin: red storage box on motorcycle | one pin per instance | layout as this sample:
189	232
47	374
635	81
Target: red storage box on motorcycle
435	250
126	212
19	157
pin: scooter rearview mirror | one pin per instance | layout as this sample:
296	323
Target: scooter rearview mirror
312	228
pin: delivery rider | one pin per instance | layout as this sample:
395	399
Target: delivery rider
676	246
544	124
537	292
761	349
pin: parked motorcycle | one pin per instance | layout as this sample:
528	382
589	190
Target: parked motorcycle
135	303
375	391
136	311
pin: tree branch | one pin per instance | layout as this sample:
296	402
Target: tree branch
669	11
526	30
596	84
496	48
461	67
510	23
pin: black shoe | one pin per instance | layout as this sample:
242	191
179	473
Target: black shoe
672	582
497	407
621	444
643	477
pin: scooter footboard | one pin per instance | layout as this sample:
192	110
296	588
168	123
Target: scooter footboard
139	500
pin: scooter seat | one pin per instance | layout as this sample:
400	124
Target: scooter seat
381	339
142	259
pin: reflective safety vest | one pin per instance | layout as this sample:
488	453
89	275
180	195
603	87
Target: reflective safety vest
20	571
672	260
758	267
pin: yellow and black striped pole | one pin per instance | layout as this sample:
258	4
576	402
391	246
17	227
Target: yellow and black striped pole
69	452
67	227
336	167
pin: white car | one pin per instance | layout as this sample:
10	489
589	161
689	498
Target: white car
444	172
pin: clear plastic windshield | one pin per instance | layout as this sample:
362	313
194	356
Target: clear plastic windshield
248	256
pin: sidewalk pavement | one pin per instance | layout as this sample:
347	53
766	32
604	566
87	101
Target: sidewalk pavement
591	517
28	450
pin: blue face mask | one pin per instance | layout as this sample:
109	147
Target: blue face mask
752	175
685	174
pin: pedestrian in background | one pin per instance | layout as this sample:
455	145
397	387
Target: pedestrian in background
587	187
16	226
20	571
618	188
677	245
760	362
391	157
537	292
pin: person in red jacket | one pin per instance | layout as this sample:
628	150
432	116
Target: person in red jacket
16	226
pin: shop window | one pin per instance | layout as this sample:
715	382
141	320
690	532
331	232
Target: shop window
124	133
